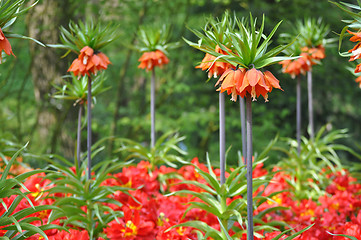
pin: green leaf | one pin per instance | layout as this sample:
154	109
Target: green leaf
8	166
19	36
342	235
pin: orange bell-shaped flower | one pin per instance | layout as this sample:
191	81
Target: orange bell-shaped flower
316	53
151	59
252	81
214	68
298	66
89	62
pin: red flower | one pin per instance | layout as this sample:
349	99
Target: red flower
63	235
214	68
252	81
5	45
151	59
132	226
89	62
179	233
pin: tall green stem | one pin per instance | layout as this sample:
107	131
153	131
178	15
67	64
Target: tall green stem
310	104
90	220
249	168
298	114
152	109
78	140
89	137
243	128
222	138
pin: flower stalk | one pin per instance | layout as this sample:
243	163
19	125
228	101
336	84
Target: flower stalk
298	114
243	128
152	109
249	168
78	140
310	105
89	129
222	138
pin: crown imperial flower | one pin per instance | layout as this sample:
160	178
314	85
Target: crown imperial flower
154	43
252	81
297	66
89	62
151	59
244	47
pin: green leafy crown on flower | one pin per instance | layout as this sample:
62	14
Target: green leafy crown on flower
295	48
216	29
312	32
248	45
9	12
152	38
355	12
95	36
76	88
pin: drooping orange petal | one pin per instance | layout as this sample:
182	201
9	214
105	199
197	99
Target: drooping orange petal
87	51
260	90
358	80
240	77
245	83
74	66
224	75
262	82
5	45
358	68
229	81
271	80
206	62
253	76
356	36
104	58
144	57
90	64
96	60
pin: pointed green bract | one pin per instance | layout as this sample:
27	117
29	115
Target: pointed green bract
154	38
10	10
353	25
76	89
95	36
245	44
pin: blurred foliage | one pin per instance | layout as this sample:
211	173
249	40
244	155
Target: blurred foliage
184	100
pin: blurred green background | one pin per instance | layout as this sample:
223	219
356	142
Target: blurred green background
185	101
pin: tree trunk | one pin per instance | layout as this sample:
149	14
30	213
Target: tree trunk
46	65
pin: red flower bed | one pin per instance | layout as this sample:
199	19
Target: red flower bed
148	213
